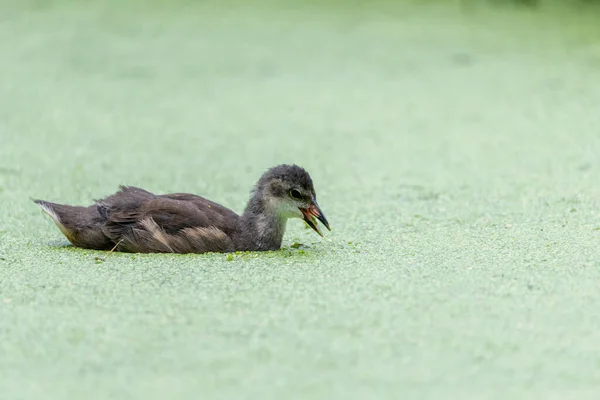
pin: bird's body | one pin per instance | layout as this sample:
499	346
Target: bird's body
135	220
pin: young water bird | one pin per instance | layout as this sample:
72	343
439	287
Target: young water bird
135	220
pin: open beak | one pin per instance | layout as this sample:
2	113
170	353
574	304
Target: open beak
309	217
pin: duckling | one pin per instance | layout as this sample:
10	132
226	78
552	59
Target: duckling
135	220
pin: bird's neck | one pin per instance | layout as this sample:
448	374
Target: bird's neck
261	225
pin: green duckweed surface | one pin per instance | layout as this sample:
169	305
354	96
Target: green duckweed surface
455	152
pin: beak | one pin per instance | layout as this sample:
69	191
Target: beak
314	211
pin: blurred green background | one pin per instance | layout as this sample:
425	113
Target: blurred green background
454	148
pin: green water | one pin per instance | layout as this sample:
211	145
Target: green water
456	157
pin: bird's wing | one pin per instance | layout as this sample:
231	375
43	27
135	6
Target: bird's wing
163	224
202	203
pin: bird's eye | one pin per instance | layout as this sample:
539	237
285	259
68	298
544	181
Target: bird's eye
295	194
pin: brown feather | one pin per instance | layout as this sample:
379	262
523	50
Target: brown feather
80	225
162	224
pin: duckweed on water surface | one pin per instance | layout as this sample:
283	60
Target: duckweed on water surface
455	154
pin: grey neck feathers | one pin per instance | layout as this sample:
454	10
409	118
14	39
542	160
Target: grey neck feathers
261	226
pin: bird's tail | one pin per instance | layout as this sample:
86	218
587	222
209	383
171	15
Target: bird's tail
80	225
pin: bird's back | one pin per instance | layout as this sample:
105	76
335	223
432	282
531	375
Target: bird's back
136	220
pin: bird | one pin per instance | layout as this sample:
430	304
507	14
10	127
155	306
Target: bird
135	220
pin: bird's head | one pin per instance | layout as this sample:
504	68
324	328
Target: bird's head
289	190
